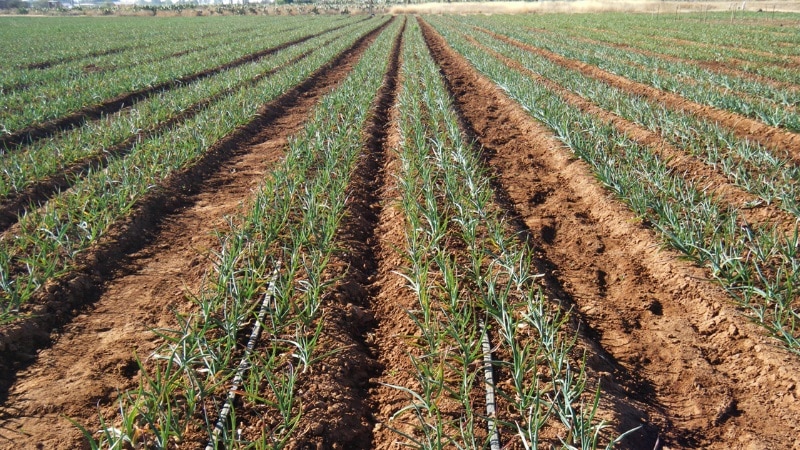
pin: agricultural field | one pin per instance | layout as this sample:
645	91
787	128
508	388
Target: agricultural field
524	231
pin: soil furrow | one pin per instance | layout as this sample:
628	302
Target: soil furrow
338	413
138	279
629	412
744	127
47	64
393	337
671	352
93	68
692	168
792	62
39	192
39	131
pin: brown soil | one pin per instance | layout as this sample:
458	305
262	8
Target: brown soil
670	350
53	62
109	106
744	127
338	412
144	288
792	62
703	176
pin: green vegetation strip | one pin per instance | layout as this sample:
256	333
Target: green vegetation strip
766	104
293	218
766	48
757	170
465	266
21	169
20	109
50	239
758	266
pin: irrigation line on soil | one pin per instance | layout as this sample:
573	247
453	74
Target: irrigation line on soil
243	364
491	412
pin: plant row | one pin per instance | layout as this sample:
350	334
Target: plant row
140	49
761	48
119	132
471	277
275	253
758	265
765	103
48	240
765	173
19	109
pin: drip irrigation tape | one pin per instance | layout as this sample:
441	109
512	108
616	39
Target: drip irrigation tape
243	365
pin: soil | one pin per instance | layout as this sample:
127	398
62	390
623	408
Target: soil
790	63
146	287
702	175
38	192
38	131
714	66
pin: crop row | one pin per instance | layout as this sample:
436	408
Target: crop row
275	254
765	103
171	43
50	40
47	240
472	279
40	103
768	50
32	165
757	170
758	265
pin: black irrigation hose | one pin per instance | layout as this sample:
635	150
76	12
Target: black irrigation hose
491	410
244	365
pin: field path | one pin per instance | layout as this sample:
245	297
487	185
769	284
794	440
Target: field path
667	346
71	378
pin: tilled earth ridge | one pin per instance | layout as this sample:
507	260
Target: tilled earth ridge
669	351
337	406
698	372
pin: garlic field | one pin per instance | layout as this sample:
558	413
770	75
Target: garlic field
437	231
